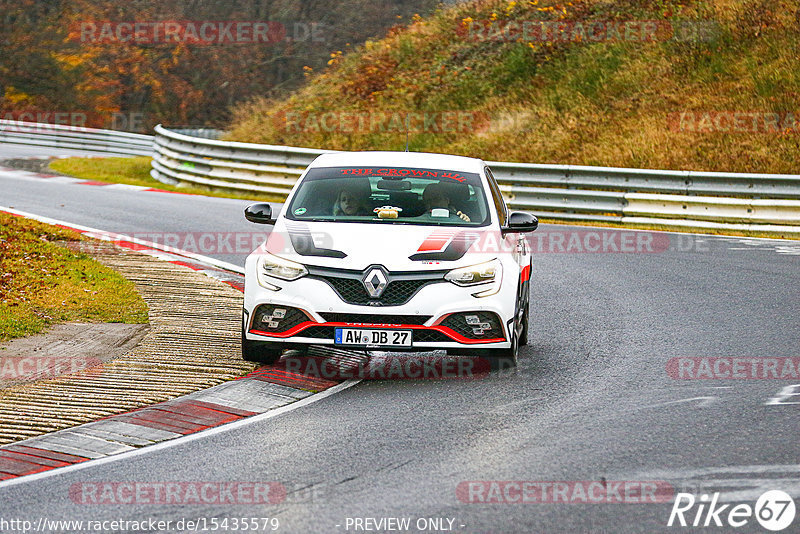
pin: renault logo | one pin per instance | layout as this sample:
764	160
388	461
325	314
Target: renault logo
374	282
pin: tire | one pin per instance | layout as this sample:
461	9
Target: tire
523	337
501	359
260	351
498	359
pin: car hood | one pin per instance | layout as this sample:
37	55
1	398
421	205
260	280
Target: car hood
398	247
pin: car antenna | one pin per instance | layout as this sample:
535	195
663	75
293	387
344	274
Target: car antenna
406	131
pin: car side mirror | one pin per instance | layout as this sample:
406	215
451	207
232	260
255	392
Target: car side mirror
259	213
520	222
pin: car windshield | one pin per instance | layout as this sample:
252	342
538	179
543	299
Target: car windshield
390	195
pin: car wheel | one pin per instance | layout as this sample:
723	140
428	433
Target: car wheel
505	358
260	351
523	337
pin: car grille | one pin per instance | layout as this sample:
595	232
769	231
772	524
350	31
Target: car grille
318	332
429	336
397	292
475	325
374	319
401	286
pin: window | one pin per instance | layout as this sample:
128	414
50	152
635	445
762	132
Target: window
386	195
499	203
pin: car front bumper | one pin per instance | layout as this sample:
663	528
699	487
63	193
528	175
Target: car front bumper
436	315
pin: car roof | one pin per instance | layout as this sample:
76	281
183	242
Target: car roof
421	160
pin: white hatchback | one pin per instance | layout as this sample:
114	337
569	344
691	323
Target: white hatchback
391	251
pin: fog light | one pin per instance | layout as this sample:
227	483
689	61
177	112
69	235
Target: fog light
475	324
269	319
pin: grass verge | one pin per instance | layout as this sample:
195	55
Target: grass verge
136	171
42	283
618	102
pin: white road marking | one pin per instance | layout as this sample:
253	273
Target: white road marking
127	187
779	246
785	393
742	488
699	387
705	402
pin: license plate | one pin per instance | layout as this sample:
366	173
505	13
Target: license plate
370	337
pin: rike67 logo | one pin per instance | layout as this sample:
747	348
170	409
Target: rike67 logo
774	510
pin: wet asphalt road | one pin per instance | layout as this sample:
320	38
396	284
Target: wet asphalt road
591	400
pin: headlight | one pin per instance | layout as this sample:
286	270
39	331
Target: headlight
273	266
483	273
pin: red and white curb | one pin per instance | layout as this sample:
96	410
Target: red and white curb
7	172
101	442
264	393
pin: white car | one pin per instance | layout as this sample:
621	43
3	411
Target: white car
390	251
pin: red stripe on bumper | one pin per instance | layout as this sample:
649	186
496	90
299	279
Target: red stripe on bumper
455	336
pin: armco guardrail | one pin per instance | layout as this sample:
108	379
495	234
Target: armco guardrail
243	167
767	203
61	136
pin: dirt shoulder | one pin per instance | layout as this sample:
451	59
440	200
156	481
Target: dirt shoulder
65	349
193	342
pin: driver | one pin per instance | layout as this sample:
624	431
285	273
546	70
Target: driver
436	196
353	199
